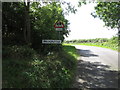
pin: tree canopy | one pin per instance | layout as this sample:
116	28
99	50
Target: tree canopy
109	12
41	18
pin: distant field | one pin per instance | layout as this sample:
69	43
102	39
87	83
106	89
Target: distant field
99	42
113	47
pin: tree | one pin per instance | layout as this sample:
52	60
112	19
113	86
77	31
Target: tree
21	21
12	23
109	12
27	30
43	19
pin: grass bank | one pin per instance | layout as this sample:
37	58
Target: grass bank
71	50
112	43
105	45
55	70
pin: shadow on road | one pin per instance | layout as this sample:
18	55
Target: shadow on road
86	53
94	74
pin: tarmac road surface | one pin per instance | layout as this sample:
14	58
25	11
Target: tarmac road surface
96	68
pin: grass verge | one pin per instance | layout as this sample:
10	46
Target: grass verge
105	45
70	50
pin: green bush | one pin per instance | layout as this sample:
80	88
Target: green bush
55	70
48	74
19	52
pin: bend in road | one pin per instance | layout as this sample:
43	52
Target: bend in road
97	68
97	54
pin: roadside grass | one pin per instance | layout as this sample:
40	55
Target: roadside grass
103	45
55	70
70	50
73	55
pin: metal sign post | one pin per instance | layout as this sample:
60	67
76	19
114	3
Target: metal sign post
59	27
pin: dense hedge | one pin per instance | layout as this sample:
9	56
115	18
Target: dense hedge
113	40
112	43
18	52
24	68
100	40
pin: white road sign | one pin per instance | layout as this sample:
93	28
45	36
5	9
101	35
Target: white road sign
51	41
59	29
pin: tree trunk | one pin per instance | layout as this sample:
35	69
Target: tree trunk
27	30
119	37
25	35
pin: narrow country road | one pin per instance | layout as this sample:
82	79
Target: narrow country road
97	68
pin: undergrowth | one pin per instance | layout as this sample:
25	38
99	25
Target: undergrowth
55	70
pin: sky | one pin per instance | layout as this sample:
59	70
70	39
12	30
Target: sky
84	26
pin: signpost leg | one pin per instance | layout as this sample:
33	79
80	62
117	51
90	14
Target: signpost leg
59	35
59	39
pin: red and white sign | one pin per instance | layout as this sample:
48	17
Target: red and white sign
58	25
